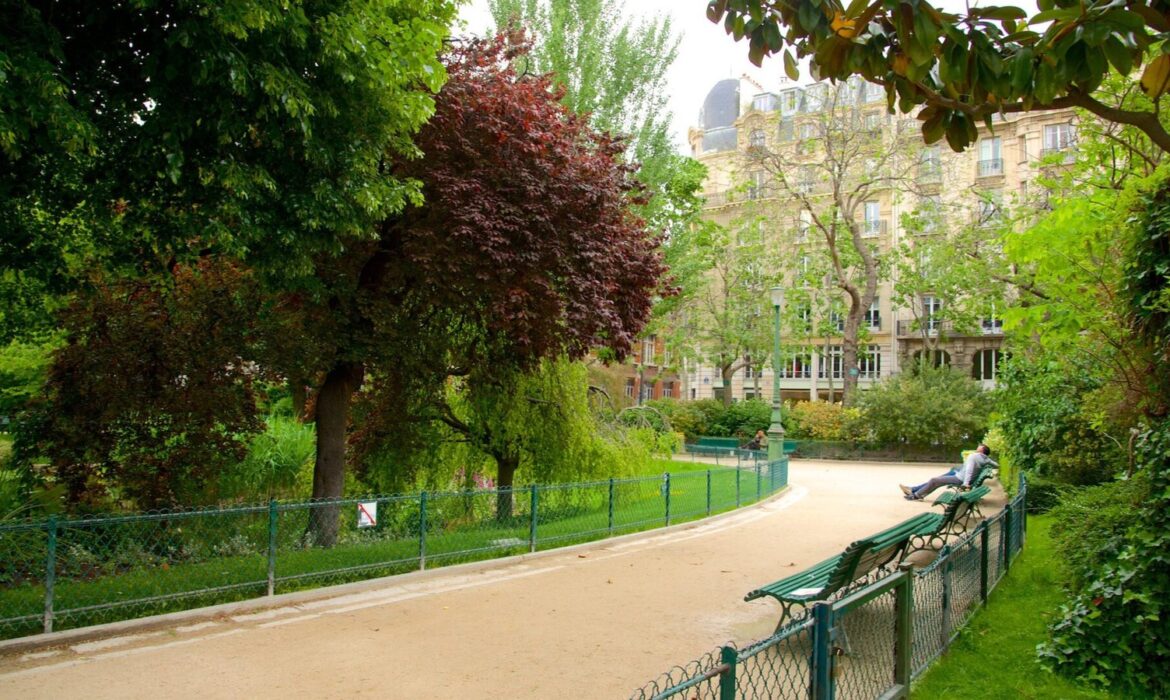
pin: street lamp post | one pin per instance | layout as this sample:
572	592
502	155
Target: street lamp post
776	430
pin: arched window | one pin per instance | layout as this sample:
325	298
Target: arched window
756	138
985	364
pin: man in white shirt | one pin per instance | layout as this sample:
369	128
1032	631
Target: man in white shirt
975	461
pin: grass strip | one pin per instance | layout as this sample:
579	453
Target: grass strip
995	654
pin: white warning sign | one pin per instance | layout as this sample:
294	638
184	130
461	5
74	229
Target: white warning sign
367	514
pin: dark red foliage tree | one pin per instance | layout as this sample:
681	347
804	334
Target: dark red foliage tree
152	394
525	247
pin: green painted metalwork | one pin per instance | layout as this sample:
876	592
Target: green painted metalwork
534	511
422	531
610	501
666	495
729	656
272	517
50	572
60	573
886	632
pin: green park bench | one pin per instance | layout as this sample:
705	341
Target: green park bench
953	490
952	521
841	573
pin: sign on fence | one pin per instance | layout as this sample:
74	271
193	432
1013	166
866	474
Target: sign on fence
367	514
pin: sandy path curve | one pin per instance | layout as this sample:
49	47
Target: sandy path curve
595	621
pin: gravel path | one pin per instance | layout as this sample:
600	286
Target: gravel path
594	621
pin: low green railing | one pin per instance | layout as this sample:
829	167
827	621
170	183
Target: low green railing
73	572
869	643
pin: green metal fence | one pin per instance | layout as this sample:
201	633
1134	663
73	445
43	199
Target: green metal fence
73	572
869	643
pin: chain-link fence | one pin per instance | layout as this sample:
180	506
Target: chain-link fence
72	572
869	643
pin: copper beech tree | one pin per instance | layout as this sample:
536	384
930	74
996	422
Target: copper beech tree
524	248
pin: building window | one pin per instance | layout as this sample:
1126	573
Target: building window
985	364
872	122
667	390
803	224
750	372
814	97
764	102
990	157
870	362
874	226
1058	137
930	212
756	185
992	325
797	367
831	365
786	129
756	138
931	309
989	212
646	393
930	164
788	101
630	382
807	130
694	393
872	92
648	350
873	316
806	180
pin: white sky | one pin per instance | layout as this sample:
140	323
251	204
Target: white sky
706	54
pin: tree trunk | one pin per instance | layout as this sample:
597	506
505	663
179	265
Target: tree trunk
506	467
329	472
728	372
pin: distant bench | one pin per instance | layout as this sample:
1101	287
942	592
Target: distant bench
872	555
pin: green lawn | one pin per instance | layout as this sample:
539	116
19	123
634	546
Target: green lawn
995	655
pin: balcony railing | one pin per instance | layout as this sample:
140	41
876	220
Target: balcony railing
929	173
989	167
1068	151
908	329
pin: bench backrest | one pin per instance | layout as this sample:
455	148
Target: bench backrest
874	552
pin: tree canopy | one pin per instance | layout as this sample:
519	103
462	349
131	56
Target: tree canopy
963	68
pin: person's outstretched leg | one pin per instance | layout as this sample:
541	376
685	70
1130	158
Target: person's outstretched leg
909	490
925	490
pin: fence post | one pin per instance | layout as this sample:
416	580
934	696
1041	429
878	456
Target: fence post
666	488
948	566
904	632
708	492
729	656
1007	539
737	497
759	483
532	522
422	531
821	673
272	547
984	555
611	505
50	572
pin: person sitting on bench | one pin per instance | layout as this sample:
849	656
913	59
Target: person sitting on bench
758	442
978	459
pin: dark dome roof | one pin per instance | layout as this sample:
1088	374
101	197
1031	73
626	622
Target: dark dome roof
721	108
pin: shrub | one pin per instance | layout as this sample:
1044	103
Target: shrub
935	406
1090	525
1115	631
818	420
742	419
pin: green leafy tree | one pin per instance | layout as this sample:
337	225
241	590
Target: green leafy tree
613	68
963	68
132	135
826	180
721	316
